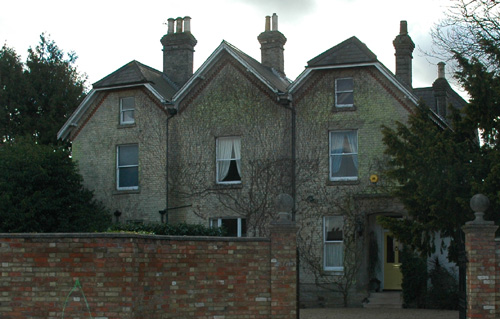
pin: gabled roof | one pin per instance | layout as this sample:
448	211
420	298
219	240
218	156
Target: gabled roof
271	78
132	74
135	72
348	54
427	94
350	51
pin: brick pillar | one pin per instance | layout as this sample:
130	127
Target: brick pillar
283	269
481	266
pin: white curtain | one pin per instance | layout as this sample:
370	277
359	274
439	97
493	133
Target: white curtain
336	149
237	153
334	241
224	150
334	254
353	144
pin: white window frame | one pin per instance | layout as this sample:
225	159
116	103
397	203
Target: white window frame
124	110
332	155
218	160
332	242
217	222
118	167
338	91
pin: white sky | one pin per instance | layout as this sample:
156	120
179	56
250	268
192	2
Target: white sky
107	34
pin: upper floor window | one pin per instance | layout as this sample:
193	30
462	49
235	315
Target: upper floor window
228	160
344	96
343	155
127	167
127	107
333	234
235	227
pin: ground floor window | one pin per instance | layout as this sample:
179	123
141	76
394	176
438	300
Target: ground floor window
235	227
333	234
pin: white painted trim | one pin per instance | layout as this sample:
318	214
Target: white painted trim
82	108
377	65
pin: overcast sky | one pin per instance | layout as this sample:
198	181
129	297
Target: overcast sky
107	34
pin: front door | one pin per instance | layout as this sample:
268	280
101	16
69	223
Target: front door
392	264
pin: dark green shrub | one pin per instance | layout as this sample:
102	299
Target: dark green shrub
414	270
443	292
181	229
42	192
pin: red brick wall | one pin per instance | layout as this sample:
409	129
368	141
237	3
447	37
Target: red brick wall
482	267
138	276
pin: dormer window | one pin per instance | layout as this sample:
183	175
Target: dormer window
344	92
127	108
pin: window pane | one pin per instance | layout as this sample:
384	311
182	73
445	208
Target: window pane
343	155
128	103
345	98
347	167
345	85
128	116
333	237
334	255
231	226
334	228
228	160
127	155
128	177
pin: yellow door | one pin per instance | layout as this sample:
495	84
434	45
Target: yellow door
392	265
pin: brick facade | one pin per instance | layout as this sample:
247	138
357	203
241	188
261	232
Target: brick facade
483	269
139	276
94	148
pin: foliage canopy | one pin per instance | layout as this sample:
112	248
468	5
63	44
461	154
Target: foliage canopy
37	97
438	169
41	191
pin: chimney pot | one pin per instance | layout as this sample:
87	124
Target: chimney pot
171	22
272	46
187	24
441	71
178	28
268	23
178	49
275	22
403	27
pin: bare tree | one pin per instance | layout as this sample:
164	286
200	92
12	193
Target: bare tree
310	235
253	200
468	24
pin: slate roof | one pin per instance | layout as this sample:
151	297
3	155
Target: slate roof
426	94
351	51
278	80
134	73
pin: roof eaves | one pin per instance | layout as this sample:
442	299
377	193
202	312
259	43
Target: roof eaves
231	50
89	99
377	65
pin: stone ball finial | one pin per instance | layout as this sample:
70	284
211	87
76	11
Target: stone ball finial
479	204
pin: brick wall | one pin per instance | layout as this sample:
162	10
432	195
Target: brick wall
483	266
140	276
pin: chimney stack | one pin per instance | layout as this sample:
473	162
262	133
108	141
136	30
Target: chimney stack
404	54
272	44
178	49
440	88
441	72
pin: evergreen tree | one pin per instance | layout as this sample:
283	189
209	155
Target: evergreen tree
41	191
438	169
37	97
